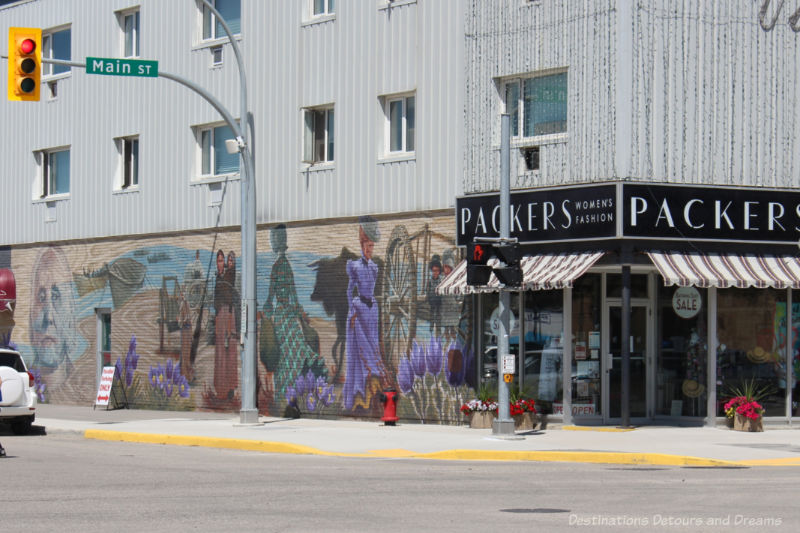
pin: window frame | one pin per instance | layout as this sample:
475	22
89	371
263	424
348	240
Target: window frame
208	21
45	175
328	8
205	138
48	69
406	132
122	17
518	109
314	139
129	166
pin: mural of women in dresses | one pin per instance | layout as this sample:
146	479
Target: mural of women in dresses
226	374
288	319
363	343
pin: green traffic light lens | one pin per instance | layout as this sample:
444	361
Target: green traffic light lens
27	65
27	85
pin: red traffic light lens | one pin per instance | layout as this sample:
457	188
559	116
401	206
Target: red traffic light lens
478	254
27	46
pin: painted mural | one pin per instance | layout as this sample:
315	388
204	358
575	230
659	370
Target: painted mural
345	311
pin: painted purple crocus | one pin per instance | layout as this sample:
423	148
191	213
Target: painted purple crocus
38	385
311	402
327	397
183	387
405	375
417	359
433	356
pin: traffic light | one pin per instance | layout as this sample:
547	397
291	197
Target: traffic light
24	63
511	274
478	255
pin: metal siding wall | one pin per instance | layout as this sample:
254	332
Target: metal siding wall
516	37
716	94
364	52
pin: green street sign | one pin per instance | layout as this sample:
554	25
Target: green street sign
121	67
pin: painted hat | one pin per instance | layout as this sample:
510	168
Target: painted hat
370	227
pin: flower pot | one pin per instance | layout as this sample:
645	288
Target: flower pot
525	422
481	419
742	423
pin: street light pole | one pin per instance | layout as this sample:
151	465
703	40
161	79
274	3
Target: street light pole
248	413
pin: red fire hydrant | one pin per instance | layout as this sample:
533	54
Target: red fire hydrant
389	401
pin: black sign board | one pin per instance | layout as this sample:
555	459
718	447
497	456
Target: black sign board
542	215
711	213
638	211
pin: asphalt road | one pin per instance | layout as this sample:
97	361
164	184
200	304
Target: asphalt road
63	482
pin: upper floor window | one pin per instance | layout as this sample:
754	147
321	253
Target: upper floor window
323	7
231	11
129	21
537	105
318	138
128	174
56	44
400	111
54	172
214	157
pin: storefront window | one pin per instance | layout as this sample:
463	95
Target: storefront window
794	376
586	317
638	285
681	383
543	329
751	325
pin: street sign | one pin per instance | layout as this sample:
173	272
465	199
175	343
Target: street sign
122	67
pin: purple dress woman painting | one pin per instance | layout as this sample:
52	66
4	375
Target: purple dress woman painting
363	346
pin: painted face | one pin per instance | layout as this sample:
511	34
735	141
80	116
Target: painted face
231	261
220	263
435	271
52	320
447	270
367	248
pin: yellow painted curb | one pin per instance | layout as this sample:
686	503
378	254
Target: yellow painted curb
597	428
448	455
785	461
212	442
577	457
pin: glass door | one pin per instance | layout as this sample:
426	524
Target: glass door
639	348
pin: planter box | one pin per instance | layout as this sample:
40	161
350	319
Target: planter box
481	419
525	422
742	423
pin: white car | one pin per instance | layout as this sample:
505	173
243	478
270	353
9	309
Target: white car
17	394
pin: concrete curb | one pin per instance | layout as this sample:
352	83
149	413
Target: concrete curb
619	458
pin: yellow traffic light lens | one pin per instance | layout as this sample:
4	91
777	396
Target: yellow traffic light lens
27	46
27	65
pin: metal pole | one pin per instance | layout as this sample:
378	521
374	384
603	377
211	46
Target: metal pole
625	342
503	424
249	412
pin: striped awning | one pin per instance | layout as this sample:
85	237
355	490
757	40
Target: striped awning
727	270
543	271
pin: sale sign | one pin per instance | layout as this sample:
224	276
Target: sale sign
104	390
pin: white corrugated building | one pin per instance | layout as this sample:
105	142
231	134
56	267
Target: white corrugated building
654	139
121	195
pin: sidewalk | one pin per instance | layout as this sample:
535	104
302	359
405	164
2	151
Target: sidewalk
646	445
